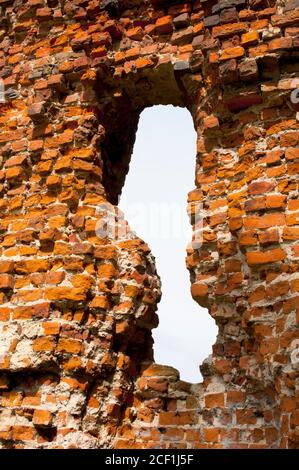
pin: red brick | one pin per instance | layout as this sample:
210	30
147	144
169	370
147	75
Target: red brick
246	417
260	187
280	43
234	396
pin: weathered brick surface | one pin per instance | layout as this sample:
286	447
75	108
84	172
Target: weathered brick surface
76	310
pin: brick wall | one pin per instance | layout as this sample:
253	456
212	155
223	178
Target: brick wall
77	309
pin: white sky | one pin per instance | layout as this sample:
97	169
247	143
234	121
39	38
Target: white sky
154	201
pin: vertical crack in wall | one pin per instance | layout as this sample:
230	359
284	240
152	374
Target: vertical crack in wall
161	173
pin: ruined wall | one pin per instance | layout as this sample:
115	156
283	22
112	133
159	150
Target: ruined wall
77	309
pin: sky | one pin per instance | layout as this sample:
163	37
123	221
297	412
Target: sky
154	201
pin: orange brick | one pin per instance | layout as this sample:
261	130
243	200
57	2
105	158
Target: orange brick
290	139
53	181
258	51
135	33
229	29
295	285
23	433
292	219
280	43
51	328
27	295
43	344
164	25
31	266
22	313
249	39
292	154
8	266
293	204
75	384
15	173
99	302
42	418
6	281
211	434
214	400
143	62
269	236
275	201
290	233
199	290
232	53
54	277
4	314
65	293
72	346
262	257
107	271
73	364
31	401
265	221
276	171
259	24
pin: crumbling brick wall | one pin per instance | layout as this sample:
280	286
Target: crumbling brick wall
77	309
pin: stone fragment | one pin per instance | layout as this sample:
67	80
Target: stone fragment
228	71
248	70
211	21
181	21
36	111
229	15
183	36
181	66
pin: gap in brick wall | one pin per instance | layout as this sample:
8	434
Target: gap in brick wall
154	201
